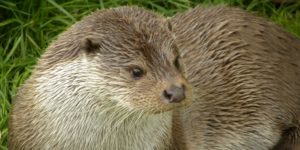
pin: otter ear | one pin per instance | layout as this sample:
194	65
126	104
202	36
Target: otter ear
90	45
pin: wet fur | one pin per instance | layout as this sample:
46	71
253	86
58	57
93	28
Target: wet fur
245	72
81	94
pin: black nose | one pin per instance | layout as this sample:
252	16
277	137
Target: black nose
175	94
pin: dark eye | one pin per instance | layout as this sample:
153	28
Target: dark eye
176	63
137	72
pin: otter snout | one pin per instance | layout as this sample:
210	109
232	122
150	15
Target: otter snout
174	94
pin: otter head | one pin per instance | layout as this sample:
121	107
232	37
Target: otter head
132	59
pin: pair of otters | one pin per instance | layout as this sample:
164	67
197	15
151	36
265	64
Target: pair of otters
215	78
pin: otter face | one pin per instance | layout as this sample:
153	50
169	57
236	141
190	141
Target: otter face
137	63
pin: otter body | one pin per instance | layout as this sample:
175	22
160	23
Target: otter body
245	72
123	79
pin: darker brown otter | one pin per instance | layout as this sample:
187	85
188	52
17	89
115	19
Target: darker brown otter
245	72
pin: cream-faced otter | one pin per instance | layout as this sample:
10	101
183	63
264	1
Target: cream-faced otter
245	73
109	82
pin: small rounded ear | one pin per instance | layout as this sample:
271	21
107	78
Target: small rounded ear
90	45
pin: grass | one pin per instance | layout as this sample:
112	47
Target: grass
28	26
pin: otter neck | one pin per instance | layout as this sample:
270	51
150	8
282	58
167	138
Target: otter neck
125	129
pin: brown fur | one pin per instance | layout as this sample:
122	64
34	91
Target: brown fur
81	94
245	72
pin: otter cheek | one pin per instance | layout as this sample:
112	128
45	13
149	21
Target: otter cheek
148	97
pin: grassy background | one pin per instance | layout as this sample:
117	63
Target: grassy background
27	27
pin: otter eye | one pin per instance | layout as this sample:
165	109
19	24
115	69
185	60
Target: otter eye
176	63
137	72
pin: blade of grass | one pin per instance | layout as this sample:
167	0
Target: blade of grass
62	10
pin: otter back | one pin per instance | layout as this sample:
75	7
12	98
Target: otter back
245	72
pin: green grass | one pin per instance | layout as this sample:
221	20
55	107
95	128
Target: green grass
27	27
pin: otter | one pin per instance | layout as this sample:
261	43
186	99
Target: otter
109	82
245	74
214	78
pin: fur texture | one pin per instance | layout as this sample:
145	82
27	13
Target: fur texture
245	73
82	94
